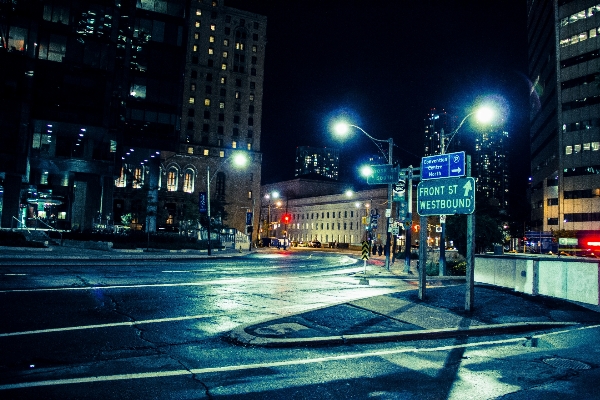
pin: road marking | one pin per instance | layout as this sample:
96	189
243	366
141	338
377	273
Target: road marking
200	371
110	325
15	274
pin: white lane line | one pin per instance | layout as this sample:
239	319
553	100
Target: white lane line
110	325
14	274
162	374
304	361
151	285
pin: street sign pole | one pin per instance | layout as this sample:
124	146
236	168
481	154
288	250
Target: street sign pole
470	278
408	229
422	257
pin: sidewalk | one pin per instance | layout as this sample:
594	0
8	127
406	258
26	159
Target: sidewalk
402	316
75	253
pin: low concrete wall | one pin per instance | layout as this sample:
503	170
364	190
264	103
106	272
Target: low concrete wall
573	279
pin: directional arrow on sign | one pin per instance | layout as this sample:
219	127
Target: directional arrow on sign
468	187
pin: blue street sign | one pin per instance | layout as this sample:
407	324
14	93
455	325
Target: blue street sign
202	203
443	166
248	218
446	196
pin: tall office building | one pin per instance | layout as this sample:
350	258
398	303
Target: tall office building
564	51
222	96
438	122
90	90
315	160
490	166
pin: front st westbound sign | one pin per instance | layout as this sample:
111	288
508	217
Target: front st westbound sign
443	166
446	196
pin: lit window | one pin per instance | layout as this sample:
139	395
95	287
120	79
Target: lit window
193	87
205	152
211	39
213	27
198	11
224	54
586	146
196	36
211	50
239	46
121	181
254	49
221	154
225	42
234	144
223	80
172	180
188	181
207	102
577	148
252	97
224	66
221	105
237	95
195	48
249	146
190	150
569	150
197	24
595	146
192	100
138	178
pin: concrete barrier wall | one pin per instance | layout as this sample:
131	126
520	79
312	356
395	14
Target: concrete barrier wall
569	279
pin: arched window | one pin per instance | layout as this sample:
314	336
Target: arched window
188	181
172	179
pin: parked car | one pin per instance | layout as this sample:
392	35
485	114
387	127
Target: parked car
315	243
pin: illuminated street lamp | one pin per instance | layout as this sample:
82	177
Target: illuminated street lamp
483	114
240	159
342	129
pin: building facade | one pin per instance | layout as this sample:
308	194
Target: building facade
564	60
93	117
490	166
222	94
314	160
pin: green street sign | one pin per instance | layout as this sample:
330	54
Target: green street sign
383	174
446	196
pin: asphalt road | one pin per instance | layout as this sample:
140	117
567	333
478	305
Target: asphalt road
139	329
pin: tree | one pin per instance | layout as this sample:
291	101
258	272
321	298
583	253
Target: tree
488	228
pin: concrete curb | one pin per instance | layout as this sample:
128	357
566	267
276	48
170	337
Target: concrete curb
240	336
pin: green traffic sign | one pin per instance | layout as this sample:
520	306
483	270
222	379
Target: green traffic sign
384	173
446	196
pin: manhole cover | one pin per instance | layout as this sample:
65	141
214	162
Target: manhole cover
565	363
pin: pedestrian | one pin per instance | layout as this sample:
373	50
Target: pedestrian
380	249
374	249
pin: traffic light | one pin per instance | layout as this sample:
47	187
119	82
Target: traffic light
286	218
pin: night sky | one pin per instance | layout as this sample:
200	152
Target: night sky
384	64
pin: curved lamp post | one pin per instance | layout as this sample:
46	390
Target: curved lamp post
239	159
342	129
483	114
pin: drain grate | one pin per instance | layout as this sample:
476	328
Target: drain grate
565	363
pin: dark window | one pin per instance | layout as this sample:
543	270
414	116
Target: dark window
256	25
194	74
236	119
552	221
253	59
255	37
220	130
221	117
250	133
205	128
206	114
211	63
227	30
228	18
223	92
194	61
250	121
220	187
238	82
236	132
191	112
209	77
253	71
190	124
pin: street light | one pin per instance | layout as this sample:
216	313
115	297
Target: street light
483	114
240	159
342	129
